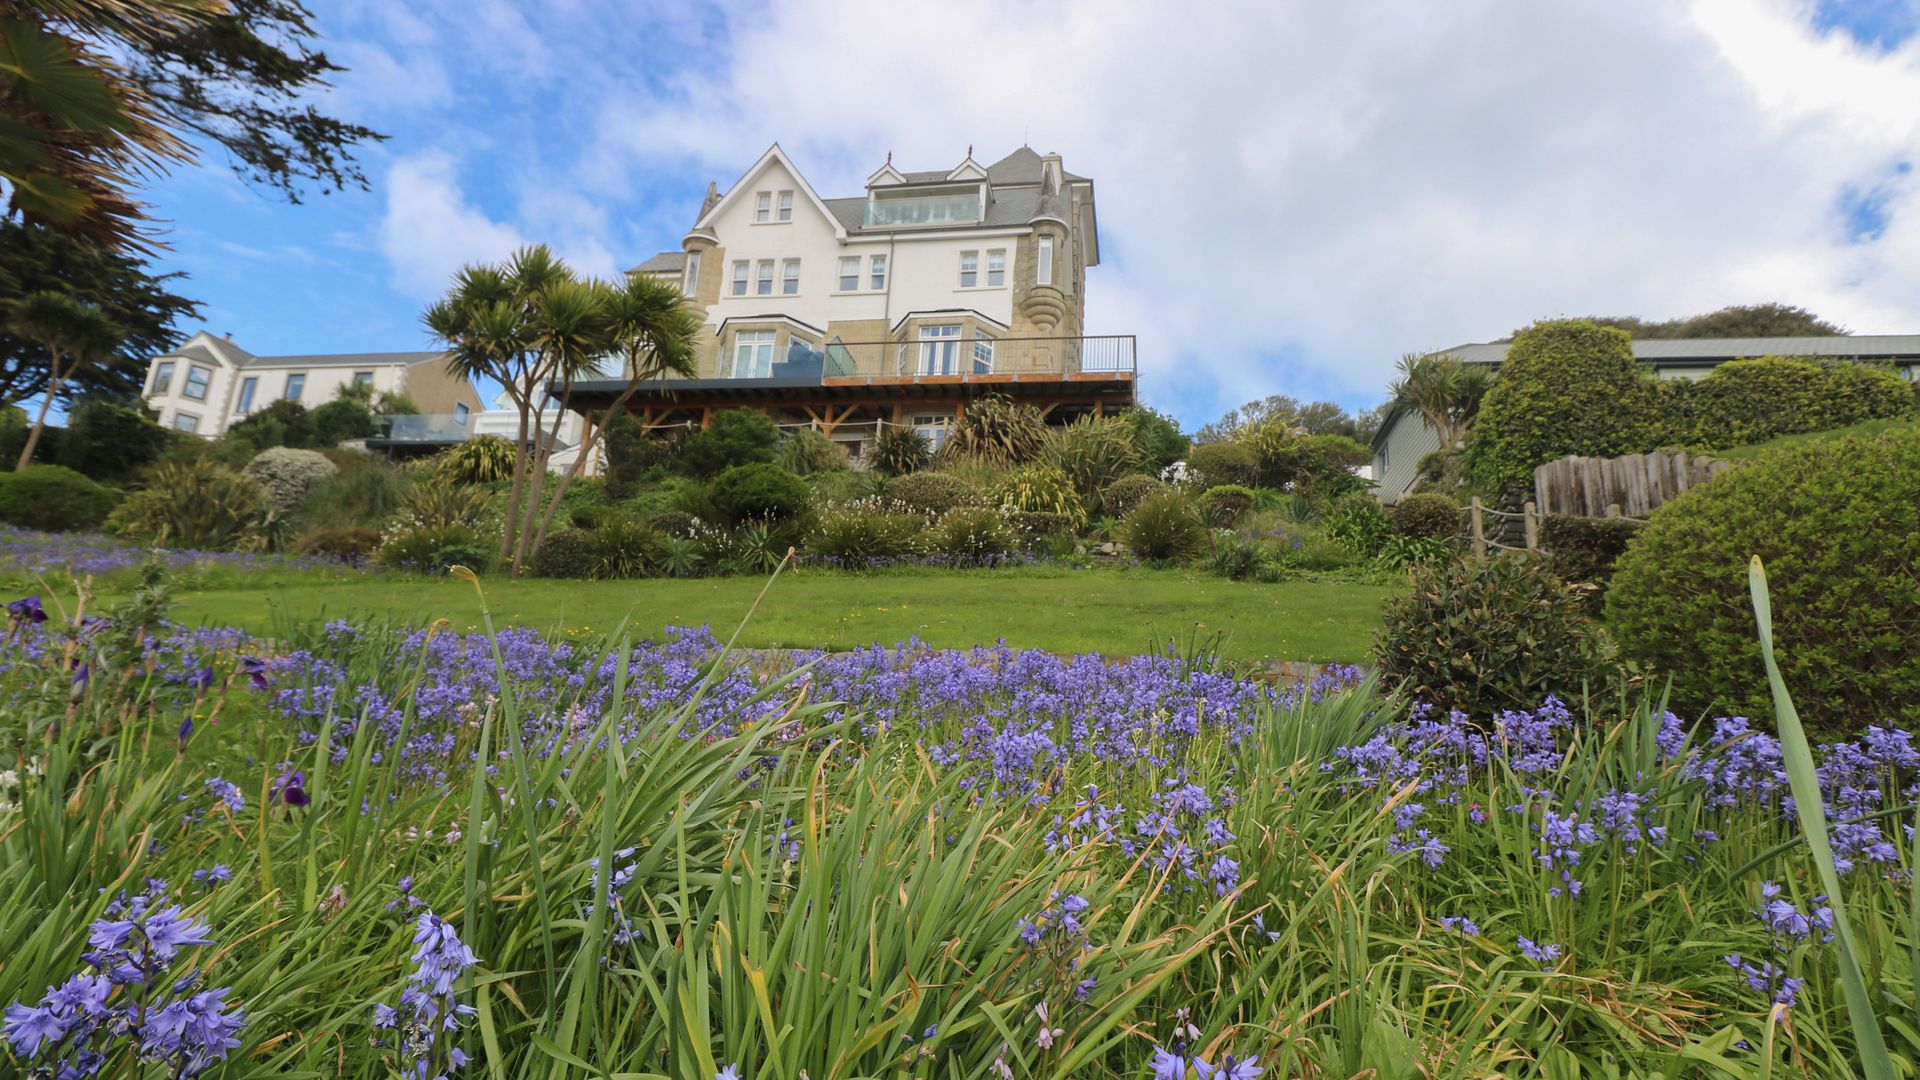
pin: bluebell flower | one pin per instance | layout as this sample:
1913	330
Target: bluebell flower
1544	955
1174	1064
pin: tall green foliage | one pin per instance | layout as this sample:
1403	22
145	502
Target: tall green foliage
731	438
1093	454
1750	401
1567	387
110	442
997	430
1158	436
192	504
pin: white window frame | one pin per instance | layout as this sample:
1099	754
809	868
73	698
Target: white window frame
933	427
1043	269
982	353
849	273
783	206
763	278
206	382
996	267
790	277
762	207
690	275
741	272
969	269
939	349
296	386
877	266
163	378
249	387
755	348
187	422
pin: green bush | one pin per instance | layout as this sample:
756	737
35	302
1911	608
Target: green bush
1040	525
1583	550
806	452
845	486
932	493
1092	454
1566	387
995	429
287	476
898	451
108	442
1219	463
342	419
620	548
1125	493
348	544
732	438
433	549
1158	436
631	452
1487	635
565	553
1837	523
440	503
191	504
1358	524
483	459
1164	528
759	491
1426	515
1750	401
672	523
53	498
1040	489
975	532
1323	466
364	492
1232	556
864	531
1226	503
280	423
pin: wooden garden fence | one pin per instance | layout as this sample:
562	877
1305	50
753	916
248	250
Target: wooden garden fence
1637	484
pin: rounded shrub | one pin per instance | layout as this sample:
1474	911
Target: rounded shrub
759	491
287	476
348	544
1427	515
1216	463
1751	401
1125	493
732	437
565	553
1224	504
806	452
672	523
930	492
975	532
1566	387
1837	523
1041	525
53	498
1480	636
433	549
1165	527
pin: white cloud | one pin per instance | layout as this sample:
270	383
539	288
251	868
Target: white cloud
1293	194
430	230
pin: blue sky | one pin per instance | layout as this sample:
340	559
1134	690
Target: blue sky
1291	194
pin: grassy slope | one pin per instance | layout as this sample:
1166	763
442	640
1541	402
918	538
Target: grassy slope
1865	427
1107	611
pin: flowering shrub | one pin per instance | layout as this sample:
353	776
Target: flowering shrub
286	476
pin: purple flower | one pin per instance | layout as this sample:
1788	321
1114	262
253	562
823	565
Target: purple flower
1174	1064
255	669
26	609
186	729
200	680
1231	1068
228	793
292	788
1544	955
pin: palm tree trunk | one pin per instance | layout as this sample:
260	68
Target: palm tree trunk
537	482
54	379
509	527
580	460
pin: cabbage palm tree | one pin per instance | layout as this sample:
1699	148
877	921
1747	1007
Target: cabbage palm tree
73	333
1446	392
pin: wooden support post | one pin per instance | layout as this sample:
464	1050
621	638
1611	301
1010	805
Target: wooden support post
1479	531
1613	510
1530	516
706	416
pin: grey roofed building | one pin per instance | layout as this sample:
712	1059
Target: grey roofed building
667	262
1404	439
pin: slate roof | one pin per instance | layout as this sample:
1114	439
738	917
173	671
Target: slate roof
1014	207
664	263
380	359
1679	351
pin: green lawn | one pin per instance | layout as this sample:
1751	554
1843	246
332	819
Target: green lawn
1062	610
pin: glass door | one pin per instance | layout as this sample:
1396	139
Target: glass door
939	350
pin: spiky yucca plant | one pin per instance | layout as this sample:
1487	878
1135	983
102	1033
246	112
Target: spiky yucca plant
996	429
1041	489
1093	454
192	504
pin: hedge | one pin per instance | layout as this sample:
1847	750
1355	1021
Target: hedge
1583	550
1837	523
1750	401
1566	387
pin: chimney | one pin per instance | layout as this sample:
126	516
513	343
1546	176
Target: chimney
1050	174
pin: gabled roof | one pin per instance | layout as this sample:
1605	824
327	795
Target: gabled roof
1022	167
379	359
667	262
739	190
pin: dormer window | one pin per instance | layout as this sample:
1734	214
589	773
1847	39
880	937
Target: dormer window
925	206
763	207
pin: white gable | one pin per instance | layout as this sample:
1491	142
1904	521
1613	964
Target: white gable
968	170
773	172
886	175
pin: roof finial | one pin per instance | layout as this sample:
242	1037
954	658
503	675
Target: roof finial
969	150
889	157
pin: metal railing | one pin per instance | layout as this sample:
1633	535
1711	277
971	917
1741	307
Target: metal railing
920	357
430	428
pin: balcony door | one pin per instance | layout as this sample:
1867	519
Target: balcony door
753	354
940	350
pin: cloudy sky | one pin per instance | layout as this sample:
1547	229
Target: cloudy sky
1291	193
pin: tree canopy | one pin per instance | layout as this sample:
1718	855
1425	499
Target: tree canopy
1740	320
1308	418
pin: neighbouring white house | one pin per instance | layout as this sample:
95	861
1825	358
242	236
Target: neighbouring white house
1404	438
208	383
